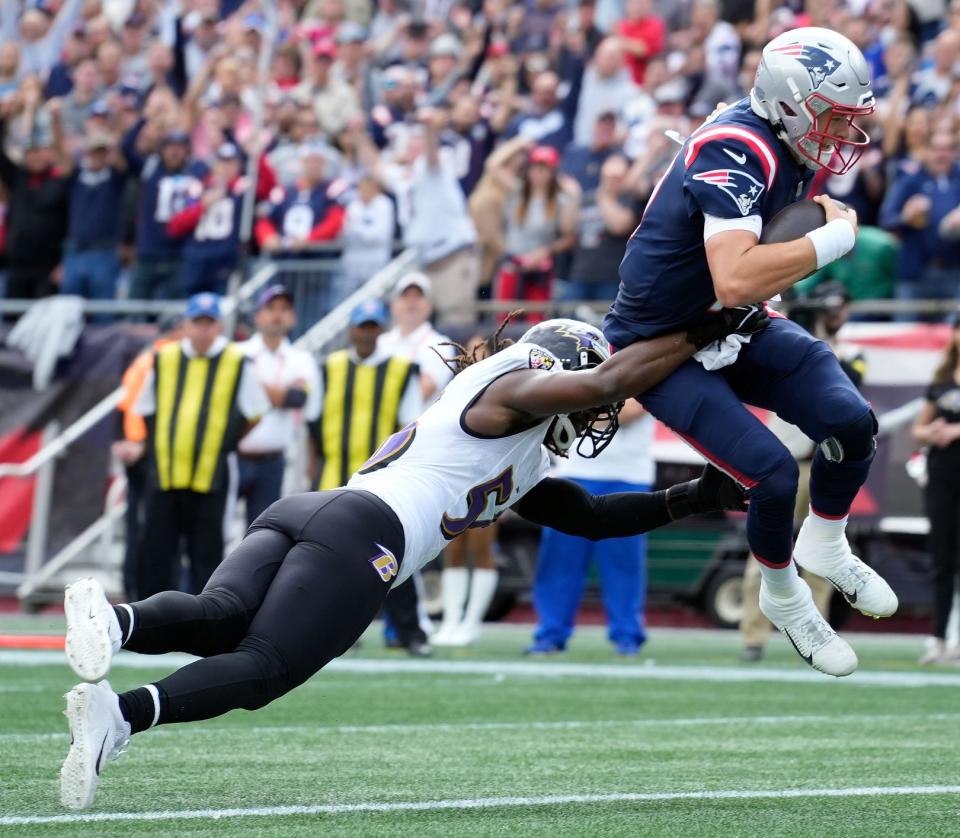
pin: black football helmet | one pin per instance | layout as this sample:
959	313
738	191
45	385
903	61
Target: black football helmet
578	346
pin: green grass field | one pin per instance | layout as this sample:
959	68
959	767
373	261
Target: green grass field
683	741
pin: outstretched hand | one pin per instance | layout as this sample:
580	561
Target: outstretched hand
713	491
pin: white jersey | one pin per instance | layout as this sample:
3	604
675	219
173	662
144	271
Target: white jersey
440	479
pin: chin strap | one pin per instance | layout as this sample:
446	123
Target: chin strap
562	434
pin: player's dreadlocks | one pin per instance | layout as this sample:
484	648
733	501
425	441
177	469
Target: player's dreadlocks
467	357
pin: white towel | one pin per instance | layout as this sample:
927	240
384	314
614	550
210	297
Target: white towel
721	353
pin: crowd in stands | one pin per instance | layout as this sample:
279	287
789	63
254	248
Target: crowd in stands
512	145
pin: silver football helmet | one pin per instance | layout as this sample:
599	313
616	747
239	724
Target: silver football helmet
811	85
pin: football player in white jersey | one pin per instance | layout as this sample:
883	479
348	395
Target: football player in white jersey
314	569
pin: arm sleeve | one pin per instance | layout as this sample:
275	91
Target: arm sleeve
185	222
892	205
411	403
726	177
135	160
251	398
569	508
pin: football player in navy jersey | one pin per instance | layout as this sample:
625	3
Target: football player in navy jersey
212	222
697	249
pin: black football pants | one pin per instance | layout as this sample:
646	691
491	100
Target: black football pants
301	588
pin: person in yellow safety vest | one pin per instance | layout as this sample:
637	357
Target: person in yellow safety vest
198	401
367	394
131	448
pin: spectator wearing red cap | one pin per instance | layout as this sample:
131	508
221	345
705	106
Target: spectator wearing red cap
540	220
333	99
291	380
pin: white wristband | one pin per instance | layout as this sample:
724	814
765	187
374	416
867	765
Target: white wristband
833	240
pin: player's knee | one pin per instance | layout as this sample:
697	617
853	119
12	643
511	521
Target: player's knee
780	485
853	442
269	674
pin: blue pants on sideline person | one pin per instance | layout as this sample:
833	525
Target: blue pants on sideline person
261	483
562	567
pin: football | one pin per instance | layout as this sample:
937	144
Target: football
793	221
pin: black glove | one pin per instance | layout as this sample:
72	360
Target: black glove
710	492
740	320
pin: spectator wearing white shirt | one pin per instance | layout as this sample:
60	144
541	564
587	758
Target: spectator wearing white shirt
608	87
367	235
291	380
413	336
439	228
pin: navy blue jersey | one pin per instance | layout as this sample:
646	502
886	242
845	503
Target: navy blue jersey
470	149
733	167
217	233
295	212
163	193
96	207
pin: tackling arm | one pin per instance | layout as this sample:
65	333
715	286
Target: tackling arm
630	371
569	508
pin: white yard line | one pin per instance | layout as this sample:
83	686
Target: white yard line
538	669
308	730
478	803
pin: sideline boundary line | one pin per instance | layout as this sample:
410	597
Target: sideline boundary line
540	669
460	727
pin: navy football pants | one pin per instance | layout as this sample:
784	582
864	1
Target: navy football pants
786	370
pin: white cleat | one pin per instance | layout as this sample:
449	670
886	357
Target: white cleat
464	635
98	734
93	631
833	560
444	635
808	632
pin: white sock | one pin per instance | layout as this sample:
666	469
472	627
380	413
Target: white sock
780	581
454	582
825	529
130	622
483	585
155	695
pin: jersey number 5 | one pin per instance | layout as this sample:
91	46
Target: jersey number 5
502	485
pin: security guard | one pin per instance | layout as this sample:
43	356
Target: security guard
198	400
367	394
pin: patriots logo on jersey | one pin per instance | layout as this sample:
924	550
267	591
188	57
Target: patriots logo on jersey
818	63
744	189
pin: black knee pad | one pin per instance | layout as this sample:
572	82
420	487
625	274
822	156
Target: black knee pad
272	678
855	442
780	484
